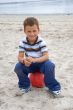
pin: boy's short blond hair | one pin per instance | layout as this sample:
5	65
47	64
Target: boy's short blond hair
30	21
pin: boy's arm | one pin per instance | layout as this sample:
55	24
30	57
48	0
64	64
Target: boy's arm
41	59
23	60
21	57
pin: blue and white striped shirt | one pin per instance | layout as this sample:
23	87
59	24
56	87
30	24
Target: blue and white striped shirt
34	50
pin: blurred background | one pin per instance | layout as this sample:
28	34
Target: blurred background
36	6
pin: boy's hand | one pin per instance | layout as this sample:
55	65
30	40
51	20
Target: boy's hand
30	59
27	63
22	60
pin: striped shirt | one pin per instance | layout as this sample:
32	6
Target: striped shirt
34	50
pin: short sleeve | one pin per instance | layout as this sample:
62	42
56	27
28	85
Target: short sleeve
21	46
43	46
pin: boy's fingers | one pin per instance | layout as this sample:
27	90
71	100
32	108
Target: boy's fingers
29	60
27	63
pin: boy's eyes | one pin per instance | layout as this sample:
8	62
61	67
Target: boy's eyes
33	31
29	31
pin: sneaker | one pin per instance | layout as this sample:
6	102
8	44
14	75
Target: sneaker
22	91
55	93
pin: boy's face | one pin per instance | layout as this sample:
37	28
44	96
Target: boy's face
31	32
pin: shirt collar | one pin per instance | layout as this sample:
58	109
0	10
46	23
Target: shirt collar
29	42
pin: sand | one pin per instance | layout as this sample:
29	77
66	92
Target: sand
57	30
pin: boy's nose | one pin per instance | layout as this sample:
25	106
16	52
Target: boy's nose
32	34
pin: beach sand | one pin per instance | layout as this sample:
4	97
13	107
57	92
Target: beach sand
57	30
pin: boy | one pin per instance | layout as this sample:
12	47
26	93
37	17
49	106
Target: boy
33	55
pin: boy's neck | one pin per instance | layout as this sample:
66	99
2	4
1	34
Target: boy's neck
32	42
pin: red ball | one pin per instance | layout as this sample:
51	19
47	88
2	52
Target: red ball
37	79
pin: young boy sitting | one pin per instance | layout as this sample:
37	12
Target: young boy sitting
33	56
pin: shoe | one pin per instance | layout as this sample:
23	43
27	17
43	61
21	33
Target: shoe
55	93
22	91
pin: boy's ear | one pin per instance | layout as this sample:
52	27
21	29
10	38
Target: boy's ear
24	30
39	30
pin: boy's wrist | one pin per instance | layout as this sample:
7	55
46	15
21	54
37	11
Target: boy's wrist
22	61
36	60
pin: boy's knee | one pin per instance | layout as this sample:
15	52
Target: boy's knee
48	63
17	67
